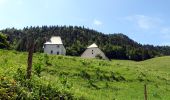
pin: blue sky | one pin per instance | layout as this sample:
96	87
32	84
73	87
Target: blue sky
145	21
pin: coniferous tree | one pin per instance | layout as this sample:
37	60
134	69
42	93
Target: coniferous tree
3	41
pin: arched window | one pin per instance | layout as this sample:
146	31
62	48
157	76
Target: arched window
51	51
58	53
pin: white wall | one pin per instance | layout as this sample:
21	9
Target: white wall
92	53
54	48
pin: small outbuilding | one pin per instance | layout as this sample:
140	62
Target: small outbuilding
93	52
54	46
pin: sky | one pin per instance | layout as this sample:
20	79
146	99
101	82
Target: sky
145	21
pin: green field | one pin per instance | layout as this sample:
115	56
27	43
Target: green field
64	77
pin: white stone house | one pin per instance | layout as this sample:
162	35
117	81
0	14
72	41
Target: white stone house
54	46
93	52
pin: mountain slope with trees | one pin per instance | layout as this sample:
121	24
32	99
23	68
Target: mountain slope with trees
76	39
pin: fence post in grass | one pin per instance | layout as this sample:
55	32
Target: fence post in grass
145	92
30	55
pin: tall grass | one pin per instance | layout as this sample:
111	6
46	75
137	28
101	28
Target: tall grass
70	78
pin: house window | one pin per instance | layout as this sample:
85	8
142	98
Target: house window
57	53
51	51
92	52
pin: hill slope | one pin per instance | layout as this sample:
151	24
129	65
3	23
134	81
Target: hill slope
76	78
76	39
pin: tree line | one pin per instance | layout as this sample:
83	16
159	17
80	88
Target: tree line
76	39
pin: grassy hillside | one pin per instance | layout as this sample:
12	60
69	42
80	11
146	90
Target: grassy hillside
61	77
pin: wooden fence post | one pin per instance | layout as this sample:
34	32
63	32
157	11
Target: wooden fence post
145	92
29	61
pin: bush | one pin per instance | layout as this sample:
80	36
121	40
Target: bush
46	60
85	63
117	77
38	69
20	75
34	89
98	56
84	74
7	88
91	83
3	41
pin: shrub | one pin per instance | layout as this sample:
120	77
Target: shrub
85	63
142	77
106	85
60	57
66	83
63	74
7	88
117	77
98	56
34	89
46	60
3	41
99	74
20	75
104	64
38	69
91	83
84	74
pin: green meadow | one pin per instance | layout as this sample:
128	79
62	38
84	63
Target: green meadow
75	78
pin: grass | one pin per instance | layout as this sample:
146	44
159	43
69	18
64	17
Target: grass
89	79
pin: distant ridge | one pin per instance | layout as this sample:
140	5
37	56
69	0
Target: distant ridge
76	39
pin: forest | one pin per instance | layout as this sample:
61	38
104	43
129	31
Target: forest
76	39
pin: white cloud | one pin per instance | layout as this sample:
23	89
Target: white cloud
97	22
144	22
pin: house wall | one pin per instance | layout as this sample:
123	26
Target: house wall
57	49
92	53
